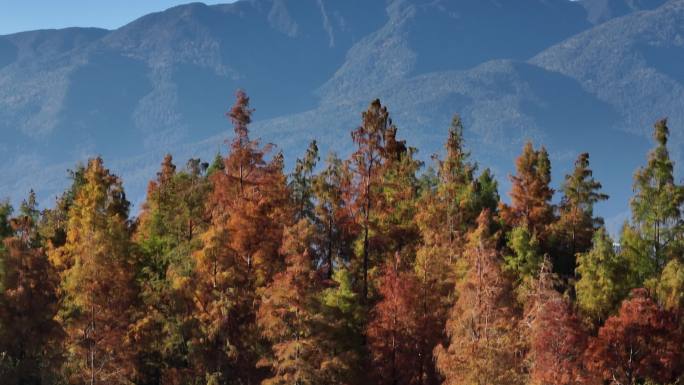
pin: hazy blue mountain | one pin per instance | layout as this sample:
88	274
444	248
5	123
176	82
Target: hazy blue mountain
548	70
599	11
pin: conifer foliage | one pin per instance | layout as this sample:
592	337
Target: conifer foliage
362	270
97	282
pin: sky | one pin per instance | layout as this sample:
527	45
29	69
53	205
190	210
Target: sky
24	15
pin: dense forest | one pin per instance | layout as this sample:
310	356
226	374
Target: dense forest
376	269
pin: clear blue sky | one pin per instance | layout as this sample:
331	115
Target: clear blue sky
23	15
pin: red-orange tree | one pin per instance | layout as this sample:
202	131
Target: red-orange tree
557	342
394	331
30	338
445	215
249	207
482	327
642	342
289	317
531	193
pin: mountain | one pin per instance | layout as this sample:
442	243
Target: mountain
599	11
575	76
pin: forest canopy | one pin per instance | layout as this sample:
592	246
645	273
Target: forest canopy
373	269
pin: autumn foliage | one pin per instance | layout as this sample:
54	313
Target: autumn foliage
369	269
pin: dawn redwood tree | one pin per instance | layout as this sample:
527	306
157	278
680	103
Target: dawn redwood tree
642	342
394	331
288	316
445	214
482	327
30	337
531	194
97	282
576	222
249	207
557	339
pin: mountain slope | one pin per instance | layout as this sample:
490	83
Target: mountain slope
534	69
633	63
599	11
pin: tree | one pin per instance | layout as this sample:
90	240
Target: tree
29	336
446	213
531	194
54	221
248	207
557	338
167	234
343	343
396	205
396	208
601	272
525	257
462	195
576	222
482	325
334	215
639	263
669	289
394	333
288	316
217	165
367	162
5	214
301	183
642	342
97	281
657	202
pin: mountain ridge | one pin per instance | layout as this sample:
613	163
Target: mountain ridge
162	82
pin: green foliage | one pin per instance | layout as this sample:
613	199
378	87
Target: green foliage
576	224
53	224
635	250
669	289
332	213
601	272
345	317
5	214
301	183
234	273
168	232
217	165
656	203
525	257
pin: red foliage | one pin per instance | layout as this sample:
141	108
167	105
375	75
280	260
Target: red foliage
643	341
394	332
557	344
